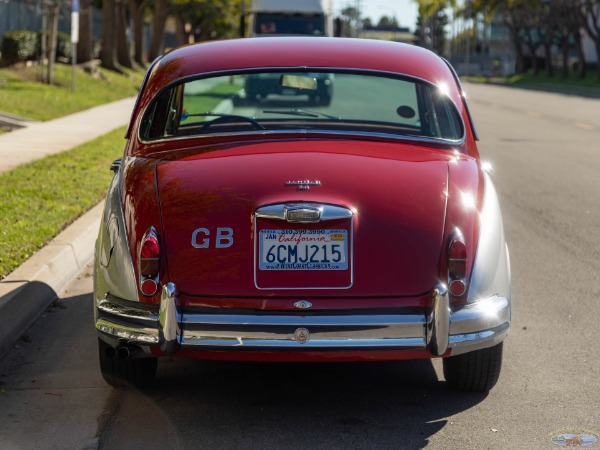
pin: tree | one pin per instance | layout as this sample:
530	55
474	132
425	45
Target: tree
159	19
108	54
200	20
590	10
569	21
387	21
123	52
547	30
137	9
85	44
431	22
51	44
350	21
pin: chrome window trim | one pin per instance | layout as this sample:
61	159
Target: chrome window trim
324	133
139	96
463	95
242	71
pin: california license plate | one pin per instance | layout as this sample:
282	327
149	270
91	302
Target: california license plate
303	249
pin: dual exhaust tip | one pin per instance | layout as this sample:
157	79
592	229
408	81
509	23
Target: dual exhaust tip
121	352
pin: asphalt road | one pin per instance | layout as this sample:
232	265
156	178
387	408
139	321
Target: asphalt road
546	153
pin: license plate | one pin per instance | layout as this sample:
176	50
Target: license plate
303	249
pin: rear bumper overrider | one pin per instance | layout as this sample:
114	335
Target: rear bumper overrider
443	330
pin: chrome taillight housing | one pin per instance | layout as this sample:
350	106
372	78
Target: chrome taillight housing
457	265
149	262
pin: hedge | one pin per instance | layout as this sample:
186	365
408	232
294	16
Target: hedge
25	45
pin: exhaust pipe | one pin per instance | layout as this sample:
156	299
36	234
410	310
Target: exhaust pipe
110	352
123	352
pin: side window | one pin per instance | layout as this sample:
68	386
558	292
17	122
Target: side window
439	117
163	118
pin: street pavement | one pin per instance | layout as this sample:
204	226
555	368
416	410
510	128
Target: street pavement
25	293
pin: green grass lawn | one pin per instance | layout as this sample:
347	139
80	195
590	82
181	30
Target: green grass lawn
572	83
39	199
22	95
590	85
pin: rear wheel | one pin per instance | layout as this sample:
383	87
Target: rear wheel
476	371
121	372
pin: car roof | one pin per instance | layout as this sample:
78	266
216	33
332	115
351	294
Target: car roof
323	52
289	52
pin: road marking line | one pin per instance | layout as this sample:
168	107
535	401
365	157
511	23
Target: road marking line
584	126
533	114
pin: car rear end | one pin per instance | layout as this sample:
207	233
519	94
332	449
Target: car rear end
280	233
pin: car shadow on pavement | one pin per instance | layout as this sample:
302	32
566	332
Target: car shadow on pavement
20	303
296	405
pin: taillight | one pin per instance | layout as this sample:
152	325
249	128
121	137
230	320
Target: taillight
457	265
149	263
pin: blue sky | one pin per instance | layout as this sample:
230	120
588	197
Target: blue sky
404	10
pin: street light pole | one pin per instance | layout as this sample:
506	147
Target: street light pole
74	40
468	49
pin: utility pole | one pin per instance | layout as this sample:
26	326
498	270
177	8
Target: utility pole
358	18
44	43
468	13
74	40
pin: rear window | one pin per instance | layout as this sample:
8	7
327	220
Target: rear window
276	101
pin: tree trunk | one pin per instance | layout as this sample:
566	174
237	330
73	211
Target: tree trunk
534	60
85	44
180	34
108	54
565	56
52	38
123	53
137	9
597	41
161	11
581	63
549	64
510	23
591	23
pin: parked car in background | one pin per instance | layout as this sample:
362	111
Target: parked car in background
363	228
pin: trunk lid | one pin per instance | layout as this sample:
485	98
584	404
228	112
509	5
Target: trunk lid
396	195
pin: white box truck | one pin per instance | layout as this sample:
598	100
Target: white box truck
290	17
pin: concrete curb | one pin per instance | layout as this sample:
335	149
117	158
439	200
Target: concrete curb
27	291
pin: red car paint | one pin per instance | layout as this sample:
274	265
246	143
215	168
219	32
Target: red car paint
407	197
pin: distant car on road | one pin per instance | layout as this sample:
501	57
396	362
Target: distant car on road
364	228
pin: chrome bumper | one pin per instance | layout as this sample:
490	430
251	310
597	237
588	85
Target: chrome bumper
478	325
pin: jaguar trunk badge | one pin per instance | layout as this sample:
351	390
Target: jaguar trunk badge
303	185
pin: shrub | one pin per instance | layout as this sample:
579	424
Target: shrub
19	46
64	47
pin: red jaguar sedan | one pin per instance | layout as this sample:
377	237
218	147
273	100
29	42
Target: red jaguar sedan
337	212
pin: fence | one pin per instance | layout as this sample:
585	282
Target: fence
27	15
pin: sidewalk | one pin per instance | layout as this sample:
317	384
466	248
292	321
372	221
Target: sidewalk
41	139
25	293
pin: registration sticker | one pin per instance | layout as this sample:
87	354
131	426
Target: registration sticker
303	249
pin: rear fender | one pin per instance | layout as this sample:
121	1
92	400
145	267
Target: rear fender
114	272
491	271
